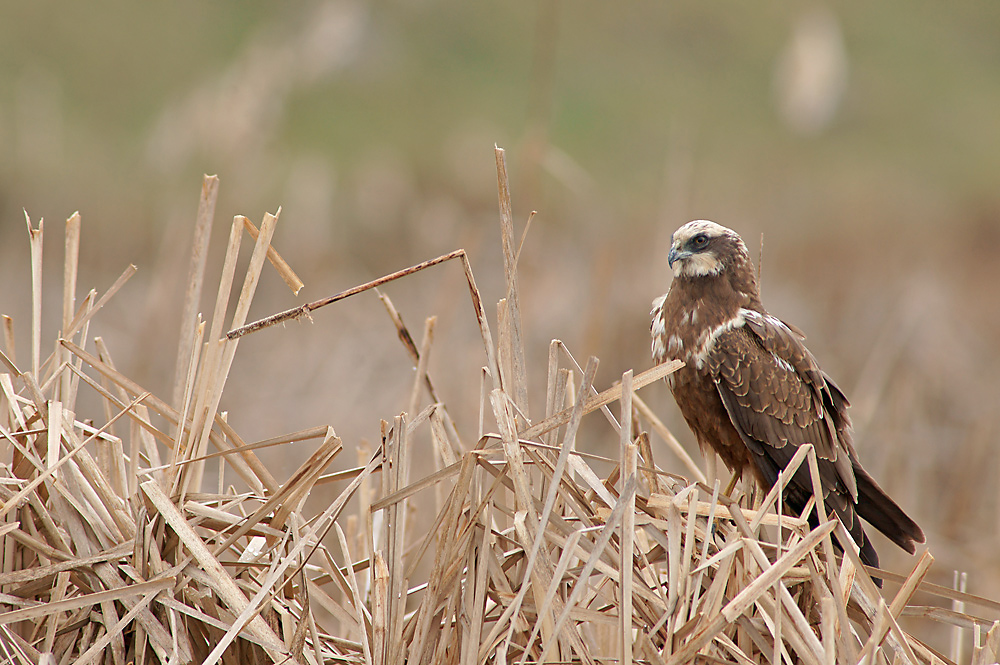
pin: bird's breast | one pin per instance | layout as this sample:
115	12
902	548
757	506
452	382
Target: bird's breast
688	330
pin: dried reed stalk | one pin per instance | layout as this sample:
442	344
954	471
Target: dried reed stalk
537	552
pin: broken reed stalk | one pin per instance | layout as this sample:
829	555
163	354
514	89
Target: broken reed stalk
196	277
536	551
305	309
512	309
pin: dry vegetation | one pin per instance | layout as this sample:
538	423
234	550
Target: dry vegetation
123	542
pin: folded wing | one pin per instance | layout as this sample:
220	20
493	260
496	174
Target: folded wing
778	399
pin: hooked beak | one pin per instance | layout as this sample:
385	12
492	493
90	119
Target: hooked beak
676	255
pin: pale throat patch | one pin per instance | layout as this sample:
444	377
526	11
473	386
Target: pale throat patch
698	265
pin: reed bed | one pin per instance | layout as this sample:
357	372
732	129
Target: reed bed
150	531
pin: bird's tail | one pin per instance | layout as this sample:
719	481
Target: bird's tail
847	512
876	508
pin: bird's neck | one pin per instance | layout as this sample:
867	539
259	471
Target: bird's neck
721	297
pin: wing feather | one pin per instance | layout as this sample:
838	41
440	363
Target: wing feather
778	398
777	395
774	410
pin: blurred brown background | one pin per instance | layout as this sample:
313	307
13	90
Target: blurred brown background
861	140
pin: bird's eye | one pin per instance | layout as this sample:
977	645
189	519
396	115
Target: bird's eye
699	241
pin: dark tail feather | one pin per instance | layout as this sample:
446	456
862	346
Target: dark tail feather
876	508
847	513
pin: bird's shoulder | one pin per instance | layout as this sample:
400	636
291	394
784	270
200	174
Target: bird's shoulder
770	342
776	393
767	369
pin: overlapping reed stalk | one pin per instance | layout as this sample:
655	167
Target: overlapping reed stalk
119	548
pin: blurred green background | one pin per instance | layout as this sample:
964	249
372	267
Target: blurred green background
862	140
115	108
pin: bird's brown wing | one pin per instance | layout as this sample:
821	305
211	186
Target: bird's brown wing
776	394
778	399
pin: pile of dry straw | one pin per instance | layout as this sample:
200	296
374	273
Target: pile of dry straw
116	549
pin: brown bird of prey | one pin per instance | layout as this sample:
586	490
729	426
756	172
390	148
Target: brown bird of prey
753	393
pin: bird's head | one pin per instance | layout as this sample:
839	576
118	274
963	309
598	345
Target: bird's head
702	248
